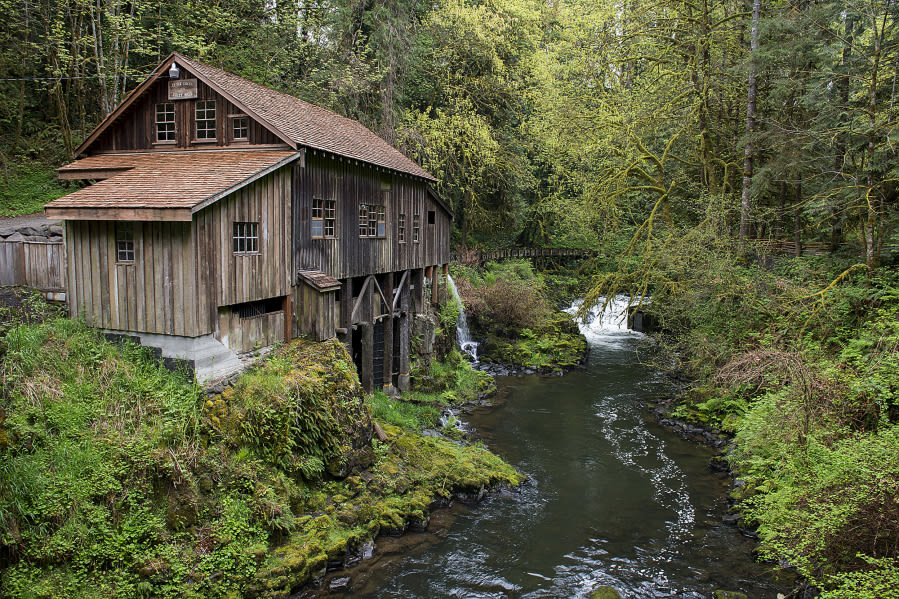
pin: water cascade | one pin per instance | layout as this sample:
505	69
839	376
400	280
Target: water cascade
463	335
605	327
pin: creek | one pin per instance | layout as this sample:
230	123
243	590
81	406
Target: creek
613	499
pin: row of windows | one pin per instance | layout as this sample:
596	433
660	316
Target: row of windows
372	221
245	235
204	122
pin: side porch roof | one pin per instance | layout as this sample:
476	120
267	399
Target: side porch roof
161	186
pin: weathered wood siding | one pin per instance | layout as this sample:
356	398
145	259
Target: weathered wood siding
316	312
246	334
135	129
156	293
237	278
34	264
352	184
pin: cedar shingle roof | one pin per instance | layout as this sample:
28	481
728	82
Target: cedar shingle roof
189	179
319	280
306	124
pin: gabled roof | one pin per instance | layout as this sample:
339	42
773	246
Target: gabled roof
296	122
166	185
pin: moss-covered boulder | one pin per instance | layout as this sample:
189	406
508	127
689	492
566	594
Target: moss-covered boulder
302	410
605	592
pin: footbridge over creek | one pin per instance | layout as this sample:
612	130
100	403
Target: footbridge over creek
483	256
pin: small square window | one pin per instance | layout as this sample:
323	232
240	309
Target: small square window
432	217
205	117
246	238
240	128
124	243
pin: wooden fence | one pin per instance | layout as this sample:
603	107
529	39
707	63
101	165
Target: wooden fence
38	264
481	256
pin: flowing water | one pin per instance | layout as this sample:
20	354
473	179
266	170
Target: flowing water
613	499
463	335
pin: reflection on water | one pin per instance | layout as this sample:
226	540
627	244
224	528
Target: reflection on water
612	500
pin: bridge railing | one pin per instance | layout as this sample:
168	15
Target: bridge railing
481	256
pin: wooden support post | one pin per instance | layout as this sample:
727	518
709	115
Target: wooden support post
346	309
288	318
388	332
402	379
366	330
419	297
435	286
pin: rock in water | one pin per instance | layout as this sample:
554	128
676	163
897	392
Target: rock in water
605	592
719	594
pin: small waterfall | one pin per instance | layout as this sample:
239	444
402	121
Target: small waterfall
605	327
466	343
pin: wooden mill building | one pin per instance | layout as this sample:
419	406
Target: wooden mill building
225	217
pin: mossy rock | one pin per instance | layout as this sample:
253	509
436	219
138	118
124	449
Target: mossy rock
719	594
605	592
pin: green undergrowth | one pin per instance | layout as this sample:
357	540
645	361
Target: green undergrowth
512	308
450	381
119	478
799	360
27	188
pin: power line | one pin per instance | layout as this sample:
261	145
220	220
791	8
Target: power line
67	78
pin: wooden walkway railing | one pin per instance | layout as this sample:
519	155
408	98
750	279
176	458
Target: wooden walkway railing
481	256
33	264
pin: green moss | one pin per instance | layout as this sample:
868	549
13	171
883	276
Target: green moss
556	345
119	479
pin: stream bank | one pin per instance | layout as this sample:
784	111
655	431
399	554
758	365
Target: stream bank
613	499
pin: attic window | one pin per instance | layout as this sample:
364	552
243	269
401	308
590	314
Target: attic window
241	128
431	217
165	122
205	116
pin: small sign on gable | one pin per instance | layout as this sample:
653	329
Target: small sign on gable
182	89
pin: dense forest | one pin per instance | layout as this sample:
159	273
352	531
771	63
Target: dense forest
693	143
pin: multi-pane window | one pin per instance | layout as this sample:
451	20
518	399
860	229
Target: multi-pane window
205	117
372	221
324	218
416	228
124	242
241	128
246	238
165	122
401	228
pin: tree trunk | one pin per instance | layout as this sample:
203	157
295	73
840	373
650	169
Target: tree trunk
746	200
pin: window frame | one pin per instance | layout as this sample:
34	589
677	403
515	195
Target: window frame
162	127
416	228
372	221
124	243
245	238
401	228
205	106
245	127
324	212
